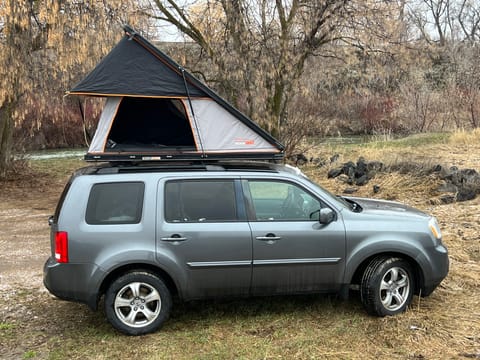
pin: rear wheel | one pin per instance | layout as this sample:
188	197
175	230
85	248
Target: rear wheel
137	303
387	286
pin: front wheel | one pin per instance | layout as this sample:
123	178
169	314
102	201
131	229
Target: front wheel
387	286
137	303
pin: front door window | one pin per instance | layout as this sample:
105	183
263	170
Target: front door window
282	201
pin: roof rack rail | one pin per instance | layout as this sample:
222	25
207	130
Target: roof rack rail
126	167
168	158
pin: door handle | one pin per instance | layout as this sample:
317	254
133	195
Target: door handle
268	237
174	238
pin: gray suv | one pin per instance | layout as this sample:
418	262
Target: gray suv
139	235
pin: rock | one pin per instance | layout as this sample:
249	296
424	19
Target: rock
349	169
298	159
358	173
469	172
333	173
466	194
470	177
376	189
371	174
361	168
344	178
301	159
375	166
447	187
447	199
362	180
350	190
445	174
437	168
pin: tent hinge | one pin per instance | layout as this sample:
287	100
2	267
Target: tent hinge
192	111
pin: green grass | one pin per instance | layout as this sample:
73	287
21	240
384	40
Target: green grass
30	354
416	140
280	327
385	142
305	327
6	326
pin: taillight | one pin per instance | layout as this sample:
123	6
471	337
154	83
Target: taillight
61	246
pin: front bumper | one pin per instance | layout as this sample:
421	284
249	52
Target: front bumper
440	267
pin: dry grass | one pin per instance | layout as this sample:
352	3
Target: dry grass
446	325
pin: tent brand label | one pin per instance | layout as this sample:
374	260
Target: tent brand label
150	158
244	142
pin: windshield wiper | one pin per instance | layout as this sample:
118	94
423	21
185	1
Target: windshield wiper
354	206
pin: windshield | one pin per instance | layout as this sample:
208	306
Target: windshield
329	197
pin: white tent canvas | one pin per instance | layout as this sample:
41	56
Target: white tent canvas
214	130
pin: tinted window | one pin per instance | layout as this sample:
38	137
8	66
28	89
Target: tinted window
115	203
61	200
200	201
275	200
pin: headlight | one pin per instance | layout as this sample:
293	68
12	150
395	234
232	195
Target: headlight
434	228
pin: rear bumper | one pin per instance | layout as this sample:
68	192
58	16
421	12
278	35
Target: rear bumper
72	282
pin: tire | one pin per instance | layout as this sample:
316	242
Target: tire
387	286
137	303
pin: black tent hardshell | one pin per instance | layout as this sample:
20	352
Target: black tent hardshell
156	110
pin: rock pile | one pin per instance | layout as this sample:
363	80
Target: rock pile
458	184
358	173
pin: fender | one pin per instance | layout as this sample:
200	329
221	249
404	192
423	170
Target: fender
377	244
130	259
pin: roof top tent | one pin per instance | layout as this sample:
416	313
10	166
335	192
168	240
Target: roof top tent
155	110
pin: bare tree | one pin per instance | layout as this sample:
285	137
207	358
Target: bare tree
469	19
258	47
443	21
433	19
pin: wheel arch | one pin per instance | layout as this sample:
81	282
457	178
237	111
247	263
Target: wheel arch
419	278
126	268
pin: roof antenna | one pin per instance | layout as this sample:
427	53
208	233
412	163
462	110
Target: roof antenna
193	113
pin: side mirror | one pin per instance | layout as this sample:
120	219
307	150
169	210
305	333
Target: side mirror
326	216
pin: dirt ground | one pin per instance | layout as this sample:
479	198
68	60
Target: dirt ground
448	321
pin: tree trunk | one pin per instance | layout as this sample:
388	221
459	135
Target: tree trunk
6	134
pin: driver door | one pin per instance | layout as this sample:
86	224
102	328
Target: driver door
292	251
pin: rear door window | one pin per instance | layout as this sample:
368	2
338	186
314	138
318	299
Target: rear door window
200	201
115	203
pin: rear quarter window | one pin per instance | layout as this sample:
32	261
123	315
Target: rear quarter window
115	203
61	201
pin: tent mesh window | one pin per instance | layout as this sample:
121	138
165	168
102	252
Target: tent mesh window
150	123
